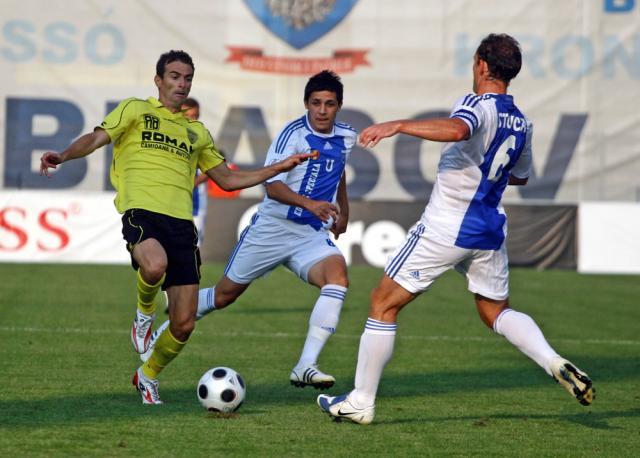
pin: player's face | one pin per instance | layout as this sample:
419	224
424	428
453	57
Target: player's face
175	85
323	108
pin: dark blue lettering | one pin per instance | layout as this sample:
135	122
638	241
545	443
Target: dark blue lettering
363	163
406	161
20	143
562	150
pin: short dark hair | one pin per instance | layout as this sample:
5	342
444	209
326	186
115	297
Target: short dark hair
326	80
191	103
502	54
172	56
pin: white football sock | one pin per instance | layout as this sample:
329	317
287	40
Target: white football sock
206	302
322	322
524	333
376	348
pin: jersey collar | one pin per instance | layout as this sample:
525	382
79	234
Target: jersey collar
158	104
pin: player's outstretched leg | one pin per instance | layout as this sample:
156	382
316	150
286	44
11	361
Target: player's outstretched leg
576	382
522	331
342	407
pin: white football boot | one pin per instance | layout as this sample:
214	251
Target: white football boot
310	375
576	382
340	407
148	388
141	331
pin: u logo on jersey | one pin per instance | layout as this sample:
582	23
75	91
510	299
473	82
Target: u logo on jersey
328	165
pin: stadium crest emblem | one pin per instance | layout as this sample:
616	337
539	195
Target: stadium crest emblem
299	23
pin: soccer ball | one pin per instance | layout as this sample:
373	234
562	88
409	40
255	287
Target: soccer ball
221	389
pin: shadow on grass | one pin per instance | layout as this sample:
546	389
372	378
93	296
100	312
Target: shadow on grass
589	419
98	407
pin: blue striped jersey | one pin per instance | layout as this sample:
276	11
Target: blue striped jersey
465	206
316	179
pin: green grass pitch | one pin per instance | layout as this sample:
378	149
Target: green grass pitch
453	387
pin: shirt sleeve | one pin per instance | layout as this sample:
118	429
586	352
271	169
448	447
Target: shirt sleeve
522	168
118	121
284	145
209	156
468	109
349	142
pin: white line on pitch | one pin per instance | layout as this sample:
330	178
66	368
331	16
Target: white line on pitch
287	335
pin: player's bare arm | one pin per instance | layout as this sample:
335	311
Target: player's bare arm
82	147
279	191
230	180
200	179
437	130
340	226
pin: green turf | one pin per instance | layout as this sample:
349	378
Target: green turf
452	388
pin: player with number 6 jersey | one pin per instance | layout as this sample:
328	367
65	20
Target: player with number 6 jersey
465	208
487	146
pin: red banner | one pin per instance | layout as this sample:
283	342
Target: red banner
253	59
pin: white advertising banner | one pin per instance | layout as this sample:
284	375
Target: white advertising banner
60	227
609	238
66	63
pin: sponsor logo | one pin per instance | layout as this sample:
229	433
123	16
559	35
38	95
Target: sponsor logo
151	122
193	137
299	23
158	140
46	230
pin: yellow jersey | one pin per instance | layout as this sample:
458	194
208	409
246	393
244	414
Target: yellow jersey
155	156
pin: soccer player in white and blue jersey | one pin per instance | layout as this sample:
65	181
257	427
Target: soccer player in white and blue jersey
292	224
487	146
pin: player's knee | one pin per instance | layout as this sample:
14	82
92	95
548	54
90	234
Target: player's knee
489	309
340	280
181	330
381	308
153	271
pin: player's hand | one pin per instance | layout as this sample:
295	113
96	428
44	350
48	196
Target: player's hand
339	226
295	160
373	134
49	160
323	210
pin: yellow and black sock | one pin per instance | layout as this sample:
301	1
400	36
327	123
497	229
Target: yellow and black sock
167	347
147	294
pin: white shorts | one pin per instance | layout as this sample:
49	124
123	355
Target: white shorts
268	242
421	259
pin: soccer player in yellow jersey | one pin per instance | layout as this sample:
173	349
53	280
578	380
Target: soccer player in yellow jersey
156	152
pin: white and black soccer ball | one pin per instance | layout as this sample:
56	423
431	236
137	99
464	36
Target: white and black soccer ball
221	389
